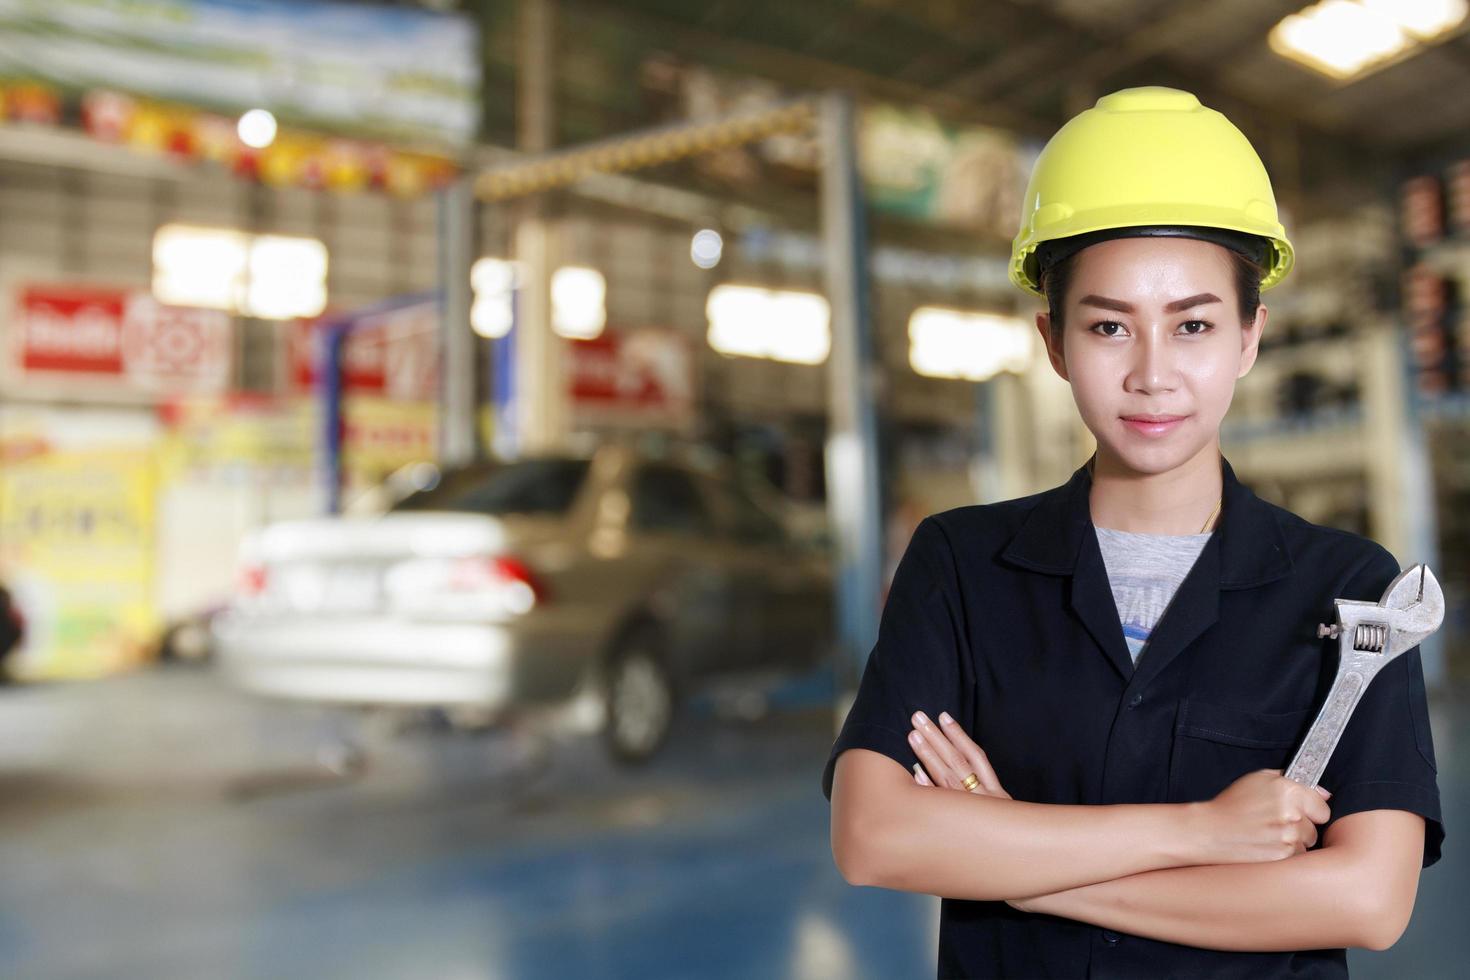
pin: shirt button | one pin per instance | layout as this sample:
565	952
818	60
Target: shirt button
1110	937
1136	701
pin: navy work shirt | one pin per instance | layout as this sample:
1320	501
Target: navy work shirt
1002	615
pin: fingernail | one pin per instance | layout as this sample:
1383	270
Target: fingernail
920	719
916	738
944	717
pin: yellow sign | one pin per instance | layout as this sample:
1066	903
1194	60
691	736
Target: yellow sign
76	543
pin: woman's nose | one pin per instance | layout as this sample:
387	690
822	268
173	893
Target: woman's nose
1153	366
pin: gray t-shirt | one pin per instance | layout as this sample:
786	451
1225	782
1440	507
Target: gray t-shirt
1145	571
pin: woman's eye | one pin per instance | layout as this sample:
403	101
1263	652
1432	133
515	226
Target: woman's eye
1203	327
1101	326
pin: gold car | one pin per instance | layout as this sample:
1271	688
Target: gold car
613	579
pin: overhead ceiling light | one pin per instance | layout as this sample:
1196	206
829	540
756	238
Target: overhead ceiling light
287	277
945	343
578	302
1425	19
493	281
706	248
257	129
1345	38
201	267
578	299
274	277
778	324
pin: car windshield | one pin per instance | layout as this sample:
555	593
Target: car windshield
530	486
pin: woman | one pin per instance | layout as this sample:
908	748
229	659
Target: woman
1097	687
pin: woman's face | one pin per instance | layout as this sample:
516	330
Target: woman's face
1152	330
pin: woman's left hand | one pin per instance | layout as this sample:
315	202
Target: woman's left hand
947	755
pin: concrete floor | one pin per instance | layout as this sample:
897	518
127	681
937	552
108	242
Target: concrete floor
159	826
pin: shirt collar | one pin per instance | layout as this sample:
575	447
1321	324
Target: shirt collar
1252	545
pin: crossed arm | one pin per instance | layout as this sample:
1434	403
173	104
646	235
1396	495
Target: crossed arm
1131	867
1356	890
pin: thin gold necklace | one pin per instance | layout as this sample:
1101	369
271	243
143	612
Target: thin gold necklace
1207	519
1212	515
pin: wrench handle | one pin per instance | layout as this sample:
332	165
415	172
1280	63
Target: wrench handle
1316	749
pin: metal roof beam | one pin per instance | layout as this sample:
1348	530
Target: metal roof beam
801	71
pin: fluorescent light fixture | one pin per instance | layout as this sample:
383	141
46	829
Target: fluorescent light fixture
578	302
274	277
945	343
493	282
1424	19
200	266
578	299
782	325
287	277
257	129
1344	38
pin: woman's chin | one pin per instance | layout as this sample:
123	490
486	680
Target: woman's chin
1148	460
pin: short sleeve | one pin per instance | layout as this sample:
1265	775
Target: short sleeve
918	659
1385	758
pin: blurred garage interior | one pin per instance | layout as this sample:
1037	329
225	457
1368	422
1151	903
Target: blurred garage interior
453	452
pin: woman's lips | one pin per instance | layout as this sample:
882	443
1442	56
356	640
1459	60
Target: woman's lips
1153	425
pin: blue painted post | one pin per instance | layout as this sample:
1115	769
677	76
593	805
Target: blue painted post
329	388
503	388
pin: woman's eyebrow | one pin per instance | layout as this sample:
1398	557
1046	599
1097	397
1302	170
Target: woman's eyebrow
1092	299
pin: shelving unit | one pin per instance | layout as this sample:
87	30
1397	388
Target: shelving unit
1435	229
1318	421
1327	423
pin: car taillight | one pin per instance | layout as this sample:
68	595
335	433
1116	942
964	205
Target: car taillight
521	589
250	580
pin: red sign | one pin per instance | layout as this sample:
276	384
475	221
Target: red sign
362	357
394	353
73	329
123	335
647	372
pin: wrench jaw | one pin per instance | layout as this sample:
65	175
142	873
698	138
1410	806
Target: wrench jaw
1411	609
1418	602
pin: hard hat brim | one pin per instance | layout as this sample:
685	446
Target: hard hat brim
1025	269
1253	247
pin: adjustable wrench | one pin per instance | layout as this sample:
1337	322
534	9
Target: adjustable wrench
1369	635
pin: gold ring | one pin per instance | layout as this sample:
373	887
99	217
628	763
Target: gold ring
970	782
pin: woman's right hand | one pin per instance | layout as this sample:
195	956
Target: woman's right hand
1262	816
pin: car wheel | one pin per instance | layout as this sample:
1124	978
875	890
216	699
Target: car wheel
640	698
186	642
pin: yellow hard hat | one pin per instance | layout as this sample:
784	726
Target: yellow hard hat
1153	160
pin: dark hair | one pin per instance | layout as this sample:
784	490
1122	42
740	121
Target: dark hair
1058	276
